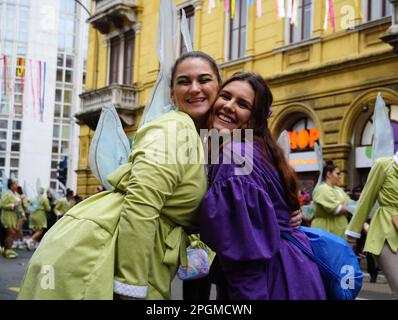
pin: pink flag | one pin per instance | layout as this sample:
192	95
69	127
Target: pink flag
226	5
259	9
331	13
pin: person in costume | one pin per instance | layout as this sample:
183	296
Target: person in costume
382	235
19	242
243	213
64	204
128	242
131	240
38	219
11	205
330	202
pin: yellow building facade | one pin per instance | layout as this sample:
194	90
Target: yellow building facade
324	81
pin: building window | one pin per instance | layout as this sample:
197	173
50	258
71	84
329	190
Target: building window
114	60
377	9
128	58
121	58
237	31
302	30
190	14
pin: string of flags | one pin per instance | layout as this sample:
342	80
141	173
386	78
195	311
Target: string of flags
16	72
285	9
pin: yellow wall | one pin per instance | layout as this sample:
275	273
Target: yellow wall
320	78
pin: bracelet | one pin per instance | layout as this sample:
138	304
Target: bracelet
351	240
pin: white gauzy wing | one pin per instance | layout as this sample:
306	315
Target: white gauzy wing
38	186
4	183
56	195
284	143
383	137
319	155
186	35
28	191
160	102
110	146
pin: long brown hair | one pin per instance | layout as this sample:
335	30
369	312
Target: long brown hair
259	123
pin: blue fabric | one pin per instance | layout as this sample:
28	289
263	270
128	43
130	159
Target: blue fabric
340	271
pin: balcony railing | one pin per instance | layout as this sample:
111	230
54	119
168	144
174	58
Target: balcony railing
116	13
123	97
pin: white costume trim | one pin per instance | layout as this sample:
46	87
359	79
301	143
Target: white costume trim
129	290
352	234
396	157
338	209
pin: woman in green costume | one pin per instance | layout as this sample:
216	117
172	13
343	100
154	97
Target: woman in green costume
382	236
130	241
330	202
12	208
38	219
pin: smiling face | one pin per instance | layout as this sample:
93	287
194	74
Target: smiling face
194	88
233	107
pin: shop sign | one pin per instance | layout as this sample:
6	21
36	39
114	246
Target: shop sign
304	161
303	139
363	157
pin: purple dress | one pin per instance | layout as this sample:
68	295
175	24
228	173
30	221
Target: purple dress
241	220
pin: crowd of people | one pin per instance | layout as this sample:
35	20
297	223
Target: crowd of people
24	221
365	216
128	243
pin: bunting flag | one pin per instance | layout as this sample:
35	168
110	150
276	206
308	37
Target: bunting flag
331	15
212	4
280	5
20	73
226	5
294	14
232	9
32	87
289	9
358	8
326	19
43	87
230	6
259	8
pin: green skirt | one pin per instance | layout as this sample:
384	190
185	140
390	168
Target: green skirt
9	219
38	220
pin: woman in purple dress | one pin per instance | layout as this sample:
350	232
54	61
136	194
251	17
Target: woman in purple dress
245	210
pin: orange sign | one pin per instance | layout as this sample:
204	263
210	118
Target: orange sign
303	139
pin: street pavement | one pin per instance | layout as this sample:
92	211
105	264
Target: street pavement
12	271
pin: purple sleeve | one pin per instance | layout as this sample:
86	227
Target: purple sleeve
238	221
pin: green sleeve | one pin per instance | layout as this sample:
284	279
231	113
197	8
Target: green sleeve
327	198
151	181
7	201
368	198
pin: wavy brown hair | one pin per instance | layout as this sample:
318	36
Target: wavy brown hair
259	123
